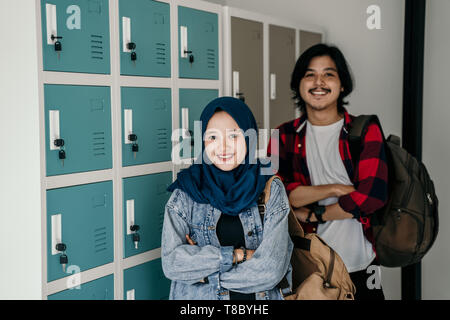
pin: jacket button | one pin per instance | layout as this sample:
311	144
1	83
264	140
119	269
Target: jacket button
250	233
314	229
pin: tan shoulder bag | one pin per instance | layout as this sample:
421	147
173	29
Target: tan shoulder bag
318	271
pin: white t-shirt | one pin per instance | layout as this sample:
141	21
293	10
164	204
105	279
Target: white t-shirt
325	166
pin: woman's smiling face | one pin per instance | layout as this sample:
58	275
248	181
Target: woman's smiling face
224	142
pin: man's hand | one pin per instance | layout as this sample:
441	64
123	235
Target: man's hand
302	213
340	190
304	195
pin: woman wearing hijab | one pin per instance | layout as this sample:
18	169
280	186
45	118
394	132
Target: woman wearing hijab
214	244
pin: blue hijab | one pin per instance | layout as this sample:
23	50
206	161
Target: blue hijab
233	191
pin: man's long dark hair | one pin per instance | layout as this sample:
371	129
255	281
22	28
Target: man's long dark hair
320	50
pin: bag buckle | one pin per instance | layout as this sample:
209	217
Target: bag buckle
261	207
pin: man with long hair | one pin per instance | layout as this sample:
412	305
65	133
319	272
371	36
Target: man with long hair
330	195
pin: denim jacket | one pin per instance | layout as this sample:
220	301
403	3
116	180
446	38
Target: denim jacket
188	265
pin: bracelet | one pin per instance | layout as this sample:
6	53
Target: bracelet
319	218
318	212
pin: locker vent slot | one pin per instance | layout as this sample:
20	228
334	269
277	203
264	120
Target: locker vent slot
98	144
161	189
159	18
159	104
211	58
100	243
97	50
95	6
162	139
160	53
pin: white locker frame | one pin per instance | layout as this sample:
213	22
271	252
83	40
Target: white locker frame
266	20
117	173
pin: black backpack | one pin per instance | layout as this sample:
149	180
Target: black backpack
407	226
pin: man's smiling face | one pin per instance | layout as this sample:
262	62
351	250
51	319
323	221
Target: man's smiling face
320	87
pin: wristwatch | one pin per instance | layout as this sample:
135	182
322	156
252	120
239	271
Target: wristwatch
308	219
318	212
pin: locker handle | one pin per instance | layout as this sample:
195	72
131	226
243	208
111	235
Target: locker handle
184	41
51	23
131	294
128	124
185	122
273	86
236	89
56	229
54	127
130	215
126	34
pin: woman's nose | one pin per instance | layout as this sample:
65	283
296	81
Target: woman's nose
225	145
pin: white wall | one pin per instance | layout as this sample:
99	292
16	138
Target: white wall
375	56
436	146
20	205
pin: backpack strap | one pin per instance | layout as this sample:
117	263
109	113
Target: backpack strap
358	130
264	197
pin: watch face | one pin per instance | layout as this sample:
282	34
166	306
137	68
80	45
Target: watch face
319	210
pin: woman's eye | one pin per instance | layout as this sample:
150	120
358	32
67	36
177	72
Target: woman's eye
330	75
233	136
211	138
309	75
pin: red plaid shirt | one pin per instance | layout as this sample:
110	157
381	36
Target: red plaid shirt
369	179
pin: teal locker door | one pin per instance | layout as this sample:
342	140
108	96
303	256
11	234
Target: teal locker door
83	26
81	117
146	113
144	200
146	282
81	217
194	101
146	24
100	289
201	30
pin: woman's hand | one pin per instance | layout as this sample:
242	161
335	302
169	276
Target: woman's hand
190	241
238	253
